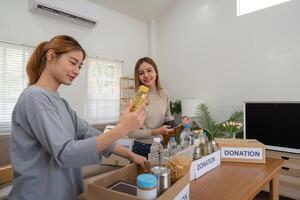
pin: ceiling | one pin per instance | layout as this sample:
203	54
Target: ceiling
144	10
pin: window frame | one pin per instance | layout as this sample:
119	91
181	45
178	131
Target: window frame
5	127
117	63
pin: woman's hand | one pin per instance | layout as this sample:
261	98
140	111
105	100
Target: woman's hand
165	129
130	121
140	160
126	153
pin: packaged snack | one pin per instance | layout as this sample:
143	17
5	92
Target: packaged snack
179	165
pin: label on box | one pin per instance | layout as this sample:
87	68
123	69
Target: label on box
242	153
193	171
207	163
184	194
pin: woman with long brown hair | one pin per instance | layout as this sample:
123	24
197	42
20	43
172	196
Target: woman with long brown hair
157	111
50	143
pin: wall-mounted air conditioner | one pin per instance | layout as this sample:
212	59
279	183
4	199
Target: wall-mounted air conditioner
80	12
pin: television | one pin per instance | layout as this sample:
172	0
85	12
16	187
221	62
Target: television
276	124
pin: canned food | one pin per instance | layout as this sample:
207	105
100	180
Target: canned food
163	178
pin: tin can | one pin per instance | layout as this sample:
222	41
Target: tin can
163	178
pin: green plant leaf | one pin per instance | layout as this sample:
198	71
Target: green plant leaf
209	124
236	116
213	128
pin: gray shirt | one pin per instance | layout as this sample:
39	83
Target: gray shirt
49	145
157	113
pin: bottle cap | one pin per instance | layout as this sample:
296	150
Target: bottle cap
146	181
156	140
143	89
186	126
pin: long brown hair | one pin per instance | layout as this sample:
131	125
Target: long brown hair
136	72
60	44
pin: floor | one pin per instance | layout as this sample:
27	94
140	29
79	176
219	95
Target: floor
265	196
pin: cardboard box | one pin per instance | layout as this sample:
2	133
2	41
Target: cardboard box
115	160
204	165
98	189
241	150
6	173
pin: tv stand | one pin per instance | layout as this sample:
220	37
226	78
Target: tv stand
289	175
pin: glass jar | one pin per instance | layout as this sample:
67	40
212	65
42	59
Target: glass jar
146	186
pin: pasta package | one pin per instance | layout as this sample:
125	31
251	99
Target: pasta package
179	166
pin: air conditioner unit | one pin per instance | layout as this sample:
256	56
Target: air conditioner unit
80	12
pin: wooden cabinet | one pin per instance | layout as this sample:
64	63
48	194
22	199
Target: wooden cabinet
289	175
127	90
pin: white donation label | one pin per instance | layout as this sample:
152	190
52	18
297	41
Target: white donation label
184	194
242	153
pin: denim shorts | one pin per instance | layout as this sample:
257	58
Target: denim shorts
141	149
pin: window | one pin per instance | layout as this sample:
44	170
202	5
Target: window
248	6
103	90
13	79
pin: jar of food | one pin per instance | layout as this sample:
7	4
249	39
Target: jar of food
163	178
197	153
146	186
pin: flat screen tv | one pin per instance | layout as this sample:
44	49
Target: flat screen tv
276	124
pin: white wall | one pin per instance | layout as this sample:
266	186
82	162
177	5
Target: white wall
116	36
205	51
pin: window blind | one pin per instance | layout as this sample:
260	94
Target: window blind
13	79
103	90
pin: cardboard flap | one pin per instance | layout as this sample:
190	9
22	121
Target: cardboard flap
96	192
99	189
125	174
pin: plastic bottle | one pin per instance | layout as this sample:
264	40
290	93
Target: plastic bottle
186	137
172	146
157	150
140	97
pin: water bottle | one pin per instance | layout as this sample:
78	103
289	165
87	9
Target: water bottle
156	151
186	137
172	146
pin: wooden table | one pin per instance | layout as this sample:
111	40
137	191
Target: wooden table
242	181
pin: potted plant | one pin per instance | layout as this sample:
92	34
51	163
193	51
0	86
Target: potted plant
215	129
